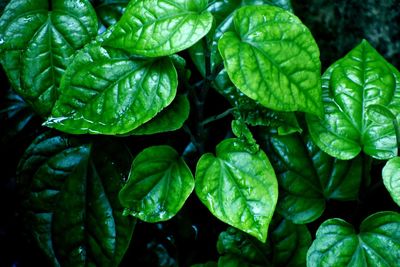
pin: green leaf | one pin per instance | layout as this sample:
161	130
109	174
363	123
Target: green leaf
107	91
155	28
273	58
338	244
308	177
391	178
361	79
72	199
238	186
158	185
170	119
287	245
380	114
38	42
110	11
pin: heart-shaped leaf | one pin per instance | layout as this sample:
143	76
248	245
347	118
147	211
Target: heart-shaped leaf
238	186
38	40
360	79
72	200
107	91
273	58
159	184
391	178
155	28
376	244
308	177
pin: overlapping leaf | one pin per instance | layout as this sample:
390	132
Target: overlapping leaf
391	178
359	80
72	199
338	244
38	40
110	11
238	186
159	184
308	177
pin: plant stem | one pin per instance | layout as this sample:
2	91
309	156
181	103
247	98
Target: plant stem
218	117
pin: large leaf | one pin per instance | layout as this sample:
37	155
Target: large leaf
159	184
238	186
72	200
287	245
38	40
273	58
107	91
360	79
376	244
155	28
391	178
308	177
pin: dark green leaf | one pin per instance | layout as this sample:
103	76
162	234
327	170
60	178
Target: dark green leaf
159	184
107	91
360	79
238	186
72	200
37	44
391	178
110	11
308	177
338	244
155	28
273	59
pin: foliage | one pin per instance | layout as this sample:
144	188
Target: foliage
132	91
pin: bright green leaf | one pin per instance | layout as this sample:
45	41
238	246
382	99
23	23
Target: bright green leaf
38	42
273	58
308	177
238	186
107	91
155	28
158	185
72	200
391	178
376	244
380	114
360	79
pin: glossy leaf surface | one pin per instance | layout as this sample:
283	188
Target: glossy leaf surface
155	28
287	245
38	42
338	244
159	184
391	178
107	91
360	79
308	177
238	186
273	58
72	200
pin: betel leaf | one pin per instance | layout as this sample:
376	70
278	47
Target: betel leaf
110	11
71	190
272	58
159	184
155	28
338	244
238	186
353	83
169	119
308	177
287	245
38	40
391	178
107	91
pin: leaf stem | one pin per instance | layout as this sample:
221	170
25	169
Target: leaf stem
217	117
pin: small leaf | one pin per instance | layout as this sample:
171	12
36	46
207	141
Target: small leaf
110	11
155	28
391	178
158	185
360	79
238	186
338	244
107	91
308	177
38	42
273	59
